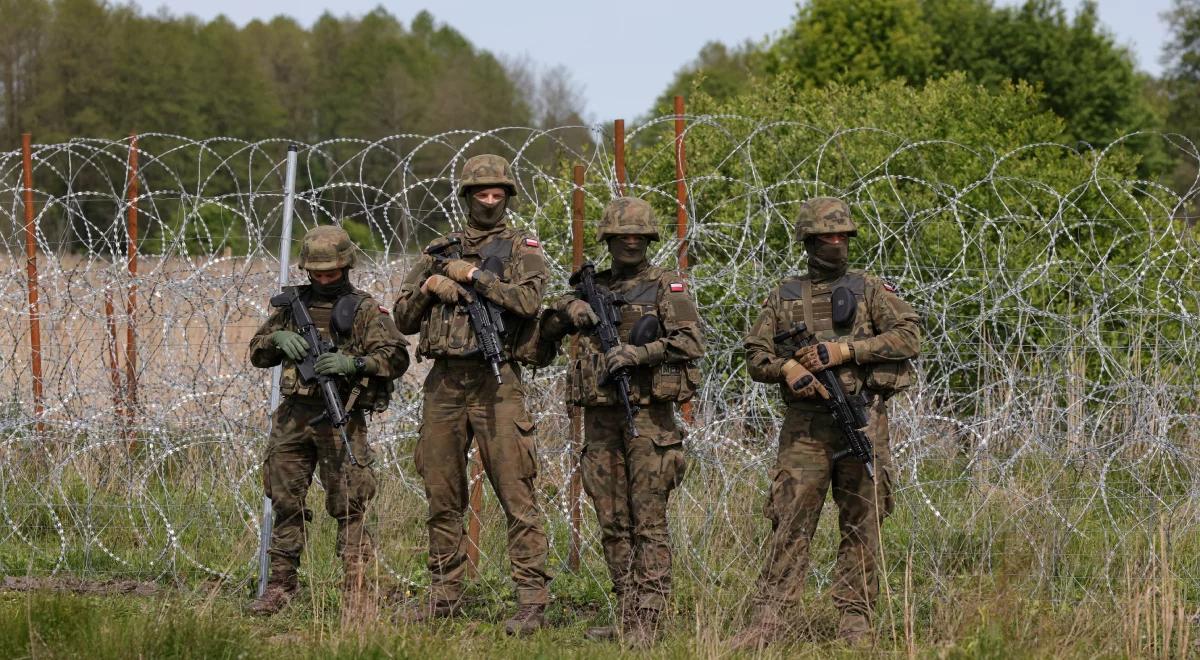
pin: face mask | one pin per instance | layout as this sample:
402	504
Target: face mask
333	290
624	256
484	216
827	258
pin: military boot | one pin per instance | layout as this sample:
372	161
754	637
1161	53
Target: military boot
529	618
612	631
855	629
428	610
281	587
765	629
643	629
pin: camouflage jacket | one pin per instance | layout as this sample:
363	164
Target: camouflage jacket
671	373
373	337
884	333
446	329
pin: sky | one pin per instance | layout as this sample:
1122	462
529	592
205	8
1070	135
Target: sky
623	53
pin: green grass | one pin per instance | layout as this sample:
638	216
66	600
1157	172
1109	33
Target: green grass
995	573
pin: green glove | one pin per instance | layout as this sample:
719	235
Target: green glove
336	364
625	355
292	344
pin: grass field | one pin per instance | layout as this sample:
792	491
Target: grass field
996	571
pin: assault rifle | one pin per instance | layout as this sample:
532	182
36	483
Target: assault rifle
849	412
603	303
487	318
335	413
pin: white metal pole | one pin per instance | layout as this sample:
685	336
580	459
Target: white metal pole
285	252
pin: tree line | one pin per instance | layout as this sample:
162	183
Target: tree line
72	68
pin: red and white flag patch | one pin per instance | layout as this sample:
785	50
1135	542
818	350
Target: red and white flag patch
532	242
383	309
891	288
677	287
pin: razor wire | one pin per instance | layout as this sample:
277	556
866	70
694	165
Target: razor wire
1058	373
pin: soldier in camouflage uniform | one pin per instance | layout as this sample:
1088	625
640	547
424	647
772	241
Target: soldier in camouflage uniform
868	334
463	401
630	478
370	354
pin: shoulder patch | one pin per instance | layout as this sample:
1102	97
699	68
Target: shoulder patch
888	285
677	287
383	310
532	242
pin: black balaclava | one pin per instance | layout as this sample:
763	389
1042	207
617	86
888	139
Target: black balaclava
626	261
482	216
332	291
826	261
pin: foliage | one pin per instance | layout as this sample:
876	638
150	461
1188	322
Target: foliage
209	229
1077	69
73	68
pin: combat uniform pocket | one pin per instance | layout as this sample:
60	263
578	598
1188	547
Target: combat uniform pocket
888	378
418	463
671	471
585	381
774	477
666	384
528	439
887	481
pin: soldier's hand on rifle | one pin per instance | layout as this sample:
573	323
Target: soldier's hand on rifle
461	271
292	344
624	355
580	314
823	355
336	364
446	289
802	382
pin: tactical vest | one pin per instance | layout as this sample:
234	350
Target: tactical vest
803	301
446	329
374	392
663	382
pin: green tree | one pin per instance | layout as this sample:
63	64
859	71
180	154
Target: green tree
1180	91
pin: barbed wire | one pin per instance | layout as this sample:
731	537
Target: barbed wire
1054	402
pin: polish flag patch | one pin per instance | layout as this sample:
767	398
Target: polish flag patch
381	309
532	242
891	288
677	287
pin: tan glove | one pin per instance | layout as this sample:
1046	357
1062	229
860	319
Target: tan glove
580	314
460	271
824	355
802	382
444	288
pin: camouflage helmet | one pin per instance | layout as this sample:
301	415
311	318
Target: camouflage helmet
326	248
487	170
628	215
824	215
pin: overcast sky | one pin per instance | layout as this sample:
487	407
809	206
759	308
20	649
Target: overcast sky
623	53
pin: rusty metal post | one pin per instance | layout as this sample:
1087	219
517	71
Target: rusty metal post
681	198
31	274
575	413
473	523
131	379
619	155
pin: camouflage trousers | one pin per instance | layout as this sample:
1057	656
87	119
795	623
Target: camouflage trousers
294	451
463	401
629	480
802	475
